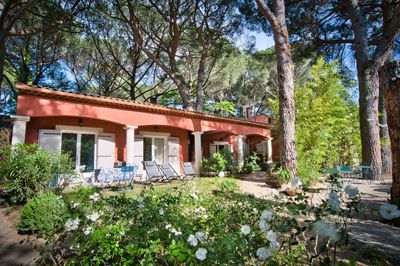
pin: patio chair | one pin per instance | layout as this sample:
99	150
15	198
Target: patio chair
188	170
128	174
104	178
152	172
170	173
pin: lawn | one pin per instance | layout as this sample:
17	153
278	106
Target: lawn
204	185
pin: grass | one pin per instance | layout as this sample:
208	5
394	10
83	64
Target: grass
205	185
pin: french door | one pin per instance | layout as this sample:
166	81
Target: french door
154	149
81	148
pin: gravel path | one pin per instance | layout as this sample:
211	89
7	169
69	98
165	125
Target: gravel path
368	233
14	250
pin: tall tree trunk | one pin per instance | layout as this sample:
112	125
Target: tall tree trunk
369	127
2	59
285	70
384	134
368	83
201	79
390	78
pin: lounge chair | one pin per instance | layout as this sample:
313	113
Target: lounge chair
188	170
152	172
170	173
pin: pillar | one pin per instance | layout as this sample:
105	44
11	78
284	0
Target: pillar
198	155
269	150
240	155
19	128
130	141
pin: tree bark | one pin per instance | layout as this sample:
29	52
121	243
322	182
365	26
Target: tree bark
201	79
2	59
368	83
384	134
389	75
285	70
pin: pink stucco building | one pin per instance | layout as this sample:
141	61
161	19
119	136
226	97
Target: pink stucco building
102	131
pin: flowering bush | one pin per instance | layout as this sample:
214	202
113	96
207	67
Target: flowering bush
182	226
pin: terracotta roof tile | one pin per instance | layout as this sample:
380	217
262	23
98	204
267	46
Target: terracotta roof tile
127	104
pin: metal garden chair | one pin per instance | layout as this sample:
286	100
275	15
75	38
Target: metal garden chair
188	170
170	173
153	174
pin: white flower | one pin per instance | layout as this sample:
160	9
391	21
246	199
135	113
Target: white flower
201	254
333	201
263	225
176	232
94	216
266	215
245	229
326	230
192	240
87	230
273	245
199	210
271	236
351	191
201	236
263	253
71	224
141	205
95	196
168	226
161	211
194	196
122	233
205	216
389	211
255	211
140	199
75	204
221	174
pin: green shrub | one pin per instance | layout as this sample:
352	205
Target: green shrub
26	170
250	163
283	176
220	161
227	185
44	214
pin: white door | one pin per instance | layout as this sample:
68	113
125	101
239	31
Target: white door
50	140
106	150
173	153
213	149
138	153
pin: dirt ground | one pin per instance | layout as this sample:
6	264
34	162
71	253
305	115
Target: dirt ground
368	234
14	248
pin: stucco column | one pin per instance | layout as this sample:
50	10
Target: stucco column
130	140
198	155
269	150
240	155
19	128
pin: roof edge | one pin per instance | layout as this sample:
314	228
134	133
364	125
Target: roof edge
25	89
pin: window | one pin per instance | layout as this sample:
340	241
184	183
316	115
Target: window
154	149
81	149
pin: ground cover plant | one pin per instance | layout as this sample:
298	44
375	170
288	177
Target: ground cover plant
181	225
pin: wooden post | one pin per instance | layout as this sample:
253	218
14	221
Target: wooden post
389	75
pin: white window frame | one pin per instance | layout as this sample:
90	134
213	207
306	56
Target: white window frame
79	131
153	135
218	143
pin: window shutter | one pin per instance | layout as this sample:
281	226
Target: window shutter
173	153
138	153
106	150
260	148
246	151
213	149
50	140
230	147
